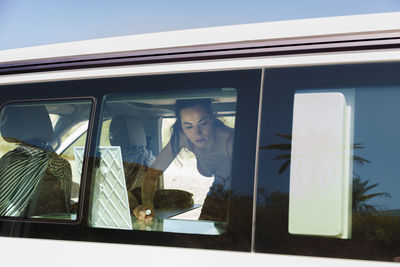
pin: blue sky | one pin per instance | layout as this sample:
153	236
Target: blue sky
28	23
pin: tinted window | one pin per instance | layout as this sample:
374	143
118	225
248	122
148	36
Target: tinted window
370	94
35	180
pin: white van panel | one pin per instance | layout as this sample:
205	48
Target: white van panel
37	252
389	55
320	158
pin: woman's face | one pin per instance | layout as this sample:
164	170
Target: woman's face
197	125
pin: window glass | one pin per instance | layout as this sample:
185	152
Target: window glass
74	137
154	173
37	180
321	126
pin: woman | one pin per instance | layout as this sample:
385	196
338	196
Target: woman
199	131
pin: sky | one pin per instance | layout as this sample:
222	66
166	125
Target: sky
26	23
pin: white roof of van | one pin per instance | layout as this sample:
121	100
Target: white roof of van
371	23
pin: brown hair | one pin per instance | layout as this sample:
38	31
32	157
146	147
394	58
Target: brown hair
205	103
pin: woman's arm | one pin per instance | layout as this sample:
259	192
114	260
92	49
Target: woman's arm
149	185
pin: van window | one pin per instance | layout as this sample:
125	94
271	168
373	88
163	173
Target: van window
100	197
328	165
36	180
186	165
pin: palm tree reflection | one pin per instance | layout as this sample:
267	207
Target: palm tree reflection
360	188
288	147
361	196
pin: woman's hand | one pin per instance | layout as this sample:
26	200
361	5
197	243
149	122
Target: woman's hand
143	213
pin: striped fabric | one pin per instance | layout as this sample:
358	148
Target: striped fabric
21	171
136	161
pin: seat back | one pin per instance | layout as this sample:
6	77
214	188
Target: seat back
33	179
127	131
27	124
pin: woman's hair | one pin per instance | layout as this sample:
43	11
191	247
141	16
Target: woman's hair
205	103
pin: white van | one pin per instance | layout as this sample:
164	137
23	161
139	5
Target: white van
307	168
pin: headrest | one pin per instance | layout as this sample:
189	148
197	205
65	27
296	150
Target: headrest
127	131
29	124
